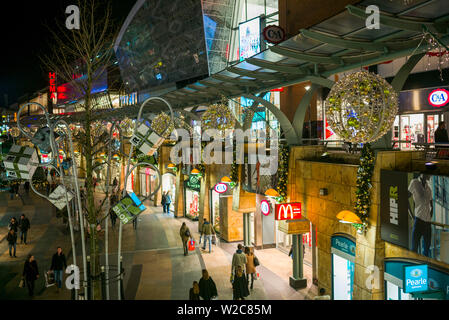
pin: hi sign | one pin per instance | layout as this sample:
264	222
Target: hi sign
288	211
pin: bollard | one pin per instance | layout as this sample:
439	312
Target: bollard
122	272
89	280
103	283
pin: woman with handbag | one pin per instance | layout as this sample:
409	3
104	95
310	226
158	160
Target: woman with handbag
30	273
250	266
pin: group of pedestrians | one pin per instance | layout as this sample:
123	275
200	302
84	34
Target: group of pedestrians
14	226
244	264
205	288
31	271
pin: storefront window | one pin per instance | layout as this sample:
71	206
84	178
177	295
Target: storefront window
192	204
215	210
343	258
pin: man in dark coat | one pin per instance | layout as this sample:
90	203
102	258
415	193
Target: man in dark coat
12	240
208	289
58	265
24	226
30	273
441	134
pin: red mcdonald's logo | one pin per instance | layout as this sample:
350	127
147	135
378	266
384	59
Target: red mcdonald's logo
288	211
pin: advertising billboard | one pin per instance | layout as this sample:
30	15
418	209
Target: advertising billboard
415	278
249	38
415	212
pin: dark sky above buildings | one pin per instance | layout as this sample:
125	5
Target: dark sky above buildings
24	36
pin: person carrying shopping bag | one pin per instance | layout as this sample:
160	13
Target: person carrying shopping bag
250	265
207	232
185	235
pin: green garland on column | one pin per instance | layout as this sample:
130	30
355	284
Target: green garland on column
283	172
234	176
364	176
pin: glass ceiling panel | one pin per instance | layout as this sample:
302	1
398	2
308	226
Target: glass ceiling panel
341	24
394	7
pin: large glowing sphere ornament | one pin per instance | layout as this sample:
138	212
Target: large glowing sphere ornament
361	107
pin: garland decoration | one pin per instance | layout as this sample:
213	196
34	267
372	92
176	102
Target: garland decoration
364	176
283	173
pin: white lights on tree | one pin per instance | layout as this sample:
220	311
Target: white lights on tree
361	107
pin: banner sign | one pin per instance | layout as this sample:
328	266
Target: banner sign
414	211
288	211
415	278
128	208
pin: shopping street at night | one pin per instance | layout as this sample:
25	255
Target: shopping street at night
256	150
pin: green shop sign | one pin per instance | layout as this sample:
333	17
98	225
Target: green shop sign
193	183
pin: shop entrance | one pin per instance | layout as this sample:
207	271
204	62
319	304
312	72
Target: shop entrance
415	128
343	262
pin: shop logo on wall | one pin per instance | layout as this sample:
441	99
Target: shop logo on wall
274	34
265	207
415	278
438	98
288	211
193	183
221	188
394	216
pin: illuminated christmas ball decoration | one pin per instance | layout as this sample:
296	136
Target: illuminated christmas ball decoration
218	116
361	107
163	125
127	127
15	132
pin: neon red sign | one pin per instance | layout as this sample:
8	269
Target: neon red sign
52	80
288	211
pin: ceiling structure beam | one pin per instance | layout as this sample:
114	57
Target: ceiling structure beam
298	55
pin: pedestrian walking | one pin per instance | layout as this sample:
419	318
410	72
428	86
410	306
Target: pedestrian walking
30	273
208	232
441	136
26	186
250	266
240	285
135	223
12	241
115	182
113	217
201	230
48	187
163	200
185	234
24	226
208	289
11	191
58	265
167	202
13	225
238	259
194	293
16	189
322	295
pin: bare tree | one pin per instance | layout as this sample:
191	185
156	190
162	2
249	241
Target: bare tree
87	52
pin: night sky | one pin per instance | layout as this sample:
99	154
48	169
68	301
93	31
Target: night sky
25	36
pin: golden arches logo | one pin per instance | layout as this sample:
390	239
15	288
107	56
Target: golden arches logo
285	209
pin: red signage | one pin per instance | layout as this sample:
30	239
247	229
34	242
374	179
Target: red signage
288	211
265	207
52	79
438	98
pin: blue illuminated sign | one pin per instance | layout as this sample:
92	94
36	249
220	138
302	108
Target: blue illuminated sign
416	278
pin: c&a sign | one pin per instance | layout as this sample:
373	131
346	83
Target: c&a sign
438	98
288	211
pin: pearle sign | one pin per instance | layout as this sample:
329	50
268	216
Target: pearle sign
221	188
438	98
265	207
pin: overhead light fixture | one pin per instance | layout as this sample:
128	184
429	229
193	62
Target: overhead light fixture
195	171
271	193
171	166
226	179
307	88
432	165
347	216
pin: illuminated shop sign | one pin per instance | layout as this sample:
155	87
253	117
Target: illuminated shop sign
415	278
438	98
221	188
274	34
265	207
288	211
52	86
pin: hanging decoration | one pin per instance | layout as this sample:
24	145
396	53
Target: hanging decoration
363	194
218	116
437	50
162	125
15	132
283	173
361	107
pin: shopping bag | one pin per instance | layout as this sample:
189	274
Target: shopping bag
21	283
49	279
256	261
214	240
191	245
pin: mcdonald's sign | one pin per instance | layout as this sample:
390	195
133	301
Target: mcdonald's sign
288	211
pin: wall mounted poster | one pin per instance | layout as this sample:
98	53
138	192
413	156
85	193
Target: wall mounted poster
415	212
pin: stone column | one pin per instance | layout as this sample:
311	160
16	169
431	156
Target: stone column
297	281
179	199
